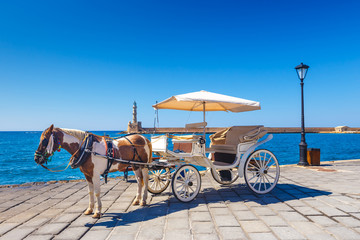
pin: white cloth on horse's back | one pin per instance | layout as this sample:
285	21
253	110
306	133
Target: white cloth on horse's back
75	133
49	148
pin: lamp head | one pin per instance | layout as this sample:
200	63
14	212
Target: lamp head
301	71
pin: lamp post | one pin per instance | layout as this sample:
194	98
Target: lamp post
301	71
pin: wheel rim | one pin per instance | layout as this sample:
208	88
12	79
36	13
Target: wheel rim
262	171
158	180
186	183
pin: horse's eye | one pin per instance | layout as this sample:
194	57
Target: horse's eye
44	142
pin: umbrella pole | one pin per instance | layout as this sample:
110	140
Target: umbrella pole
204	118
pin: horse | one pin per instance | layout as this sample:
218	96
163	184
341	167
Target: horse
132	147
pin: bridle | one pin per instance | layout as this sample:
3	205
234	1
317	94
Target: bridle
42	154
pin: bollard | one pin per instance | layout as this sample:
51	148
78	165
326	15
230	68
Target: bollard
313	156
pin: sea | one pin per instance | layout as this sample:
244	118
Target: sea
17	165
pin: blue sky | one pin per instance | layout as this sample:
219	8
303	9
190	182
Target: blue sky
81	64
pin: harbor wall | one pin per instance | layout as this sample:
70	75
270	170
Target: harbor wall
269	129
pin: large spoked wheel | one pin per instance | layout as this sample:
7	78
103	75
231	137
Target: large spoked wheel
225	177
186	183
159	180
261	171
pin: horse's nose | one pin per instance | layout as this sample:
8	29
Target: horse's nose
36	158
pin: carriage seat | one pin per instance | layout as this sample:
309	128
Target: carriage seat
227	140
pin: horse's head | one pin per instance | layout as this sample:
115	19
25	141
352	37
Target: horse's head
47	146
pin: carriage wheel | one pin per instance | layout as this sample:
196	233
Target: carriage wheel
159	180
186	183
262	171
225	177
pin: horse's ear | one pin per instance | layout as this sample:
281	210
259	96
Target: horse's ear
51	128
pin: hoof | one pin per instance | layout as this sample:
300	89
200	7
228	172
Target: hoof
88	212
143	203
96	215
135	202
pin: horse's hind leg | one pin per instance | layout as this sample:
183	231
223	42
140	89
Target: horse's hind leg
91	196
139	179
96	181
145	174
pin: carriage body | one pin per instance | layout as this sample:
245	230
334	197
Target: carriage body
231	155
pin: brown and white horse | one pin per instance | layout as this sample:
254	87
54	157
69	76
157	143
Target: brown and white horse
53	139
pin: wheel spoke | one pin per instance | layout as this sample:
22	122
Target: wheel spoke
253	166
264	183
256	180
252	177
267	180
270	166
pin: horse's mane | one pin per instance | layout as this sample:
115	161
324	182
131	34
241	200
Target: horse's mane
75	133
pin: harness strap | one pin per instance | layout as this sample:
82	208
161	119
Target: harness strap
109	156
135	151
53	170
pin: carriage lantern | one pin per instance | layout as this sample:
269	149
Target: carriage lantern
301	71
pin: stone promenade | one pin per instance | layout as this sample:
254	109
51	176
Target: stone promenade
308	203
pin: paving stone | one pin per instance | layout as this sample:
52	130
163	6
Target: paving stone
254	226
343	232
348	221
232	233
123	236
287	233
84	221
323	220
292	217
205	236
5	227
72	233
331	212
245	215
177	223
37	221
18	233
273	221
96	235
39	237
225	221
263	211
262	236
307	211
203	227
178	234
151	232
178	214
66	217
200	216
51	228
311	231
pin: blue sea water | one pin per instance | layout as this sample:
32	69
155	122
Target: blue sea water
17	149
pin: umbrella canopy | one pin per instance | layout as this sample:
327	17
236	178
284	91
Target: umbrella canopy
207	101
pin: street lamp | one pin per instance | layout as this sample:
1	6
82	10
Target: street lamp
301	71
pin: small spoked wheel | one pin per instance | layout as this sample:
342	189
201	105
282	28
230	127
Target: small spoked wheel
261	171
225	177
186	183
159	180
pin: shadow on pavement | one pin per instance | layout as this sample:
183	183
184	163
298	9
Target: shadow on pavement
237	193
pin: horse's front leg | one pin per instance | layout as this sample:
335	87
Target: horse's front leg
145	175
96	182
139	179
91	196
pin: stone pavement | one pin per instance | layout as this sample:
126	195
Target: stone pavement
308	203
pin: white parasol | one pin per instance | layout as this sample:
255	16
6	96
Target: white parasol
207	101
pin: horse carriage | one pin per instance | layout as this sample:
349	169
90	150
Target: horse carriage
230	155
